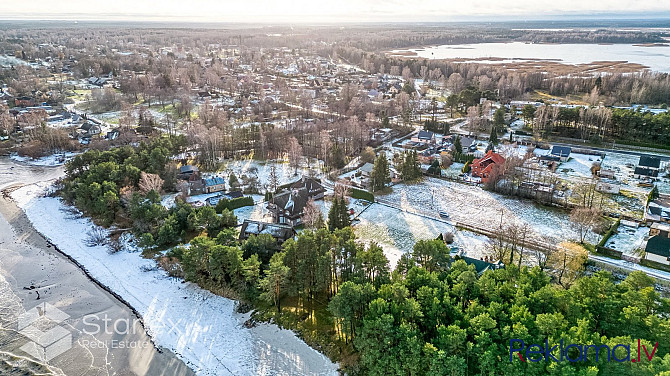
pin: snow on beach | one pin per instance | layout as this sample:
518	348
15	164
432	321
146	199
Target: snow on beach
200	327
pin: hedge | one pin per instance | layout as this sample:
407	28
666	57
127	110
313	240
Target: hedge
609	234
233	204
362	195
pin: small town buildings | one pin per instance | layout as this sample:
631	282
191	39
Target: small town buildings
561	152
483	167
279	232
647	168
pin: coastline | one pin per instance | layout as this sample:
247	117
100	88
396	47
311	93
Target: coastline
210	335
29	259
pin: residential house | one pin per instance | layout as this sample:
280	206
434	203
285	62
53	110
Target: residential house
366	170
661	229
606	173
280	232
314	188
561	152
658	249
483	167
214	184
90	129
424	137
185	172
658	210
647	168
482	266
287	207
24	101
608	186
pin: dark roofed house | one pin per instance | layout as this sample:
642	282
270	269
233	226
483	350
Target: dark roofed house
650	162
424	137
287	207
233	194
480	265
90	129
658	249
647	168
185	172
645	172
313	187
561	152
280	232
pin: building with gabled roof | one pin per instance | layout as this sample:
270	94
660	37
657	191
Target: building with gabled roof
483	167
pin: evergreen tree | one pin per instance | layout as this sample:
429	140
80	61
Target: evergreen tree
333	215
381	175
493	138
458	148
499	118
434	168
338	216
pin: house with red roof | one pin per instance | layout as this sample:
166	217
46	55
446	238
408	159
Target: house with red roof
483	167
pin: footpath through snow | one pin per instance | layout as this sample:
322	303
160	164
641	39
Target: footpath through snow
203	329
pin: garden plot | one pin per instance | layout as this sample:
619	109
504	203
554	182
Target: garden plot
472	205
628	240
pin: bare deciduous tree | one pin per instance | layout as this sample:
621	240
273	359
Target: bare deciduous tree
150	182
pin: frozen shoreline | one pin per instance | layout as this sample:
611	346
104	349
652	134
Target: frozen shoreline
203	329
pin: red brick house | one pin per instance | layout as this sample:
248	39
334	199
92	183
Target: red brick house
483	167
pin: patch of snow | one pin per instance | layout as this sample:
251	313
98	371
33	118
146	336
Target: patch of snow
48	161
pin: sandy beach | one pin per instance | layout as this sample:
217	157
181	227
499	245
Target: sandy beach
33	273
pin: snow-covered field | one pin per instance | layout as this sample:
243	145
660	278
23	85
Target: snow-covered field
261	170
200	327
48	161
397	232
577	166
473	205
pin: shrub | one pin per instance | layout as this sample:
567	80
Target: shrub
362	195
233	204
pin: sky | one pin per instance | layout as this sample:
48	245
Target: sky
323	11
